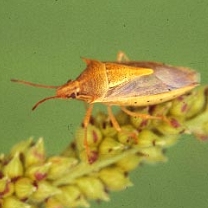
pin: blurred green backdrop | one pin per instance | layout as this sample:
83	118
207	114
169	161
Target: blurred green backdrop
42	41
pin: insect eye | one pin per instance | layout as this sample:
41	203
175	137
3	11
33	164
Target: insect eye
73	95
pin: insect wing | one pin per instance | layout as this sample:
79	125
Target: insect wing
164	79
141	86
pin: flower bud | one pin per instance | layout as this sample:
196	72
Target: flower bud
147	138
130	162
140	120
93	137
109	147
35	154
199	126
60	165
13	202
114	178
89	157
171	127
6	187
161	109
24	188
14	168
128	135
154	154
52	202
38	172
71	196
198	104
44	191
22	146
180	106
92	188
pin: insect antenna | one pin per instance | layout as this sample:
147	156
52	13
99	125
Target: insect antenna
43	100
37	85
34	84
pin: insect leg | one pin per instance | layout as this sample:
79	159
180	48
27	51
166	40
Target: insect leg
122	57
141	115
85	124
113	119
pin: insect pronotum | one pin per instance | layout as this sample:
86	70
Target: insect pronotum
123	83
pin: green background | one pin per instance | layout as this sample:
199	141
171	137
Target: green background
42	42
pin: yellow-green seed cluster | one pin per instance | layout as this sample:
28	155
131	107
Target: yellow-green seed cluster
30	179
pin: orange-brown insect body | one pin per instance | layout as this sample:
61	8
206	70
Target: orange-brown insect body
108	82
124	83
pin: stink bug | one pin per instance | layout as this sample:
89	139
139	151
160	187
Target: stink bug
123	83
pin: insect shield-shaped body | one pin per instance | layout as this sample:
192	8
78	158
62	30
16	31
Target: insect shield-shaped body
124	83
129	83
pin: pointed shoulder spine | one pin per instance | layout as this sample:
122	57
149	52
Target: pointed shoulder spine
89	61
